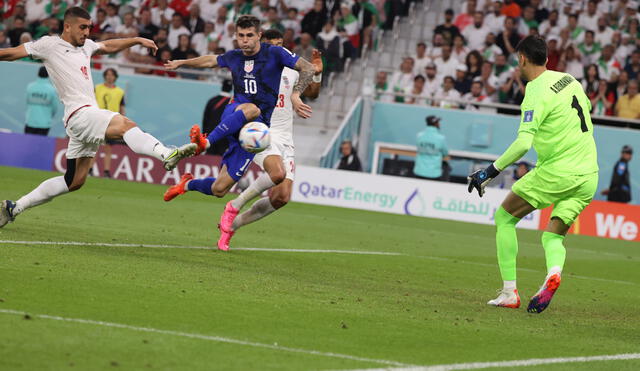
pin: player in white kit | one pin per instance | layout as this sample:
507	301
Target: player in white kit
67	59
278	159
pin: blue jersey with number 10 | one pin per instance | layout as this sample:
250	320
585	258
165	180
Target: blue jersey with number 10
256	78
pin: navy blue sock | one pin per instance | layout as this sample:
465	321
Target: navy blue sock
201	185
230	125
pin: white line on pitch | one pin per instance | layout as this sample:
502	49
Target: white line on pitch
76	243
207	337
353	252
516	363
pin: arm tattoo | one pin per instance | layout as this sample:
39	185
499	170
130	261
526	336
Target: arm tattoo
306	75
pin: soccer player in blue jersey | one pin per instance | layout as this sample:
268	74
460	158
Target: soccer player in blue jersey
256	69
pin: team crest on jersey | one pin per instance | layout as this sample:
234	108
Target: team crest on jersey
85	72
248	66
528	116
285	79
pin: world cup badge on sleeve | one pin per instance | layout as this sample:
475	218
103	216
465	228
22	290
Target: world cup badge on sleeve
248	66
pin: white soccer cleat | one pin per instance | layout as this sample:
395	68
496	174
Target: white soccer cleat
6	212
184	151
506	299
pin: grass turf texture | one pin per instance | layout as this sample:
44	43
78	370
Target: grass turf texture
424	307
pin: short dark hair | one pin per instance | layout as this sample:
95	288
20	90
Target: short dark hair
115	73
534	48
42	72
248	21
272	34
76	12
419	77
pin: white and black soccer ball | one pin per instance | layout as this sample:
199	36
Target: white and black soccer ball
255	137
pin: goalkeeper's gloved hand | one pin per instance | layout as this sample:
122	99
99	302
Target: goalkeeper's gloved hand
481	178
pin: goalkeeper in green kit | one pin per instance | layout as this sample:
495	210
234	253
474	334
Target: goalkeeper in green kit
555	120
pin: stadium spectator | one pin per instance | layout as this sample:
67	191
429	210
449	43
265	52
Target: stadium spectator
620	187
431	82
401	80
212	114
113	19
511	9
16	31
508	39
128	27
305	47
447	96
589	19
621	85
349	24
183	49
602	103
446	63
591	81
177	28
432	152
495	19
512	91
462	81
628	105
447	30
180	6
194	21
624	47
489	49
202	39
209	9
416	91
110	97
553	53
162	43
604	33
528	21
292	21
42	104
314	20
161	14
550	26
576	32
489	81
101	28
36	11
459	51
56	8
501	70
4	41
632	68
608	66
465	18
382	87
589	48
420	58
330	44
476	33
476	95
474	63
541	12
349	160
164	56
573	63
272	21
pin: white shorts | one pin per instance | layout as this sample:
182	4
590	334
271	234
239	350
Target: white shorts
281	148
86	130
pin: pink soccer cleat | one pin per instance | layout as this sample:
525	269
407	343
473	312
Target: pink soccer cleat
228	215
540	301
225	238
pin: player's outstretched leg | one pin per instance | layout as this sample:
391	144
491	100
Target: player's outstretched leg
278	198
178	189
507	245
120	127
233	122
555	254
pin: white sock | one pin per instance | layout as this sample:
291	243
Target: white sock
509	285
45	192
145	144
256	188
258	210
554	270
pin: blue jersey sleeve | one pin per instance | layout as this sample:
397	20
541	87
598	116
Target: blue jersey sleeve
224	60
286	57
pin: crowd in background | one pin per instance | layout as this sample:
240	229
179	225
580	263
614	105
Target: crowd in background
189	28
471	57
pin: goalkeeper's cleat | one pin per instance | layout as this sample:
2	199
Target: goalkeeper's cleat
540	301
227	218
6	212
184	151
199	139
506	299
225	238
178	189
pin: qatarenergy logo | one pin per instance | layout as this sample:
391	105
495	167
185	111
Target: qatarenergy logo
351	194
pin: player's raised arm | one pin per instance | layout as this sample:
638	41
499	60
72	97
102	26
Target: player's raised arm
307	70
12	54
313	90
205	61
116	45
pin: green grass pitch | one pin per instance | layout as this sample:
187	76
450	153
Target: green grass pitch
424	306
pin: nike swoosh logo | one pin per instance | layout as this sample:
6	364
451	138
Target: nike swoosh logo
238	174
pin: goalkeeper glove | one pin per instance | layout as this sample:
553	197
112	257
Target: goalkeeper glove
481	178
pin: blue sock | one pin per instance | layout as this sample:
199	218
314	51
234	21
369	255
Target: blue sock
201	185
230	125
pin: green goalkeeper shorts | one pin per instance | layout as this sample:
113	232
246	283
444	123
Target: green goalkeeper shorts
569	194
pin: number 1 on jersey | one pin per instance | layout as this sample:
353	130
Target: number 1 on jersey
583	123
250	86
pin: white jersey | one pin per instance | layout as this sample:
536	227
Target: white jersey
69	70
282	116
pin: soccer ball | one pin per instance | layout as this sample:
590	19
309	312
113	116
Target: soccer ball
255	137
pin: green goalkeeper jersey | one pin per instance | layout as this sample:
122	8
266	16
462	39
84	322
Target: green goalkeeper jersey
555	110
